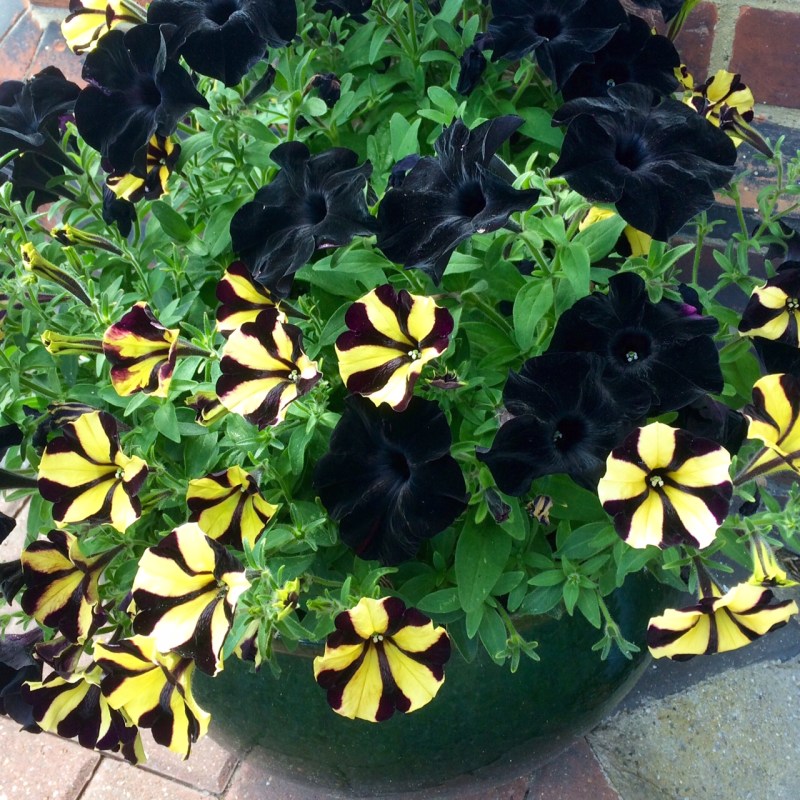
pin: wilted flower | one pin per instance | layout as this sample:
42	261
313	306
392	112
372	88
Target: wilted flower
228	507
241	299
61	585
141	352
718	623
654	346
153	690
774	418
89	20
148	176
391	336
225	38
633	55
74	707
264	369
473	64
121	213
313	202
185	592
563	419
389	480
773	311
134	91
665	487
328	86
443	201
382	658
86	475
658	162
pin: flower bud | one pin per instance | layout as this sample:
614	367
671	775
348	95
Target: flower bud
35	263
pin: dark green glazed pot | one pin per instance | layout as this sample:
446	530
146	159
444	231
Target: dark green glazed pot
483	715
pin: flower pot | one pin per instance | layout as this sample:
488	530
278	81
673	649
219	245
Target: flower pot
484	717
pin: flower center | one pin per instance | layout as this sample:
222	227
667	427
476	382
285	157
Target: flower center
792	304
220	10
631	152
546	25
630	347
398	465
470	199
146	93
656	480
377	637
569	432
315	207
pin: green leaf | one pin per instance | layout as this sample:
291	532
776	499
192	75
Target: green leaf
474	619
589	606
600	239
571	592
492	633
443	601
538	125
172	223
550	577
575	262
541	600
378	39
532	302
166	421
443	99
481	555
313	106
447	32
588	540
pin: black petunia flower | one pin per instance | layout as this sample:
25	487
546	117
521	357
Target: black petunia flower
134	92
658	161
665	347
389	480
562	34
633	55
444	200
30	118
225	38
315	201
563	420
119	212
17	666
710	419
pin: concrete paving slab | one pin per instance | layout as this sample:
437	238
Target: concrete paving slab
732	736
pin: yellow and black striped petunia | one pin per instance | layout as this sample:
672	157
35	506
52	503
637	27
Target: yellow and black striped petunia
61	585
207	407
228	507
264	369
185	592
88	20
153	690
87	477
241	299
773	311
718	623
721	95
382	658
664	487
74	707
148	179
774	419
391	336
141	352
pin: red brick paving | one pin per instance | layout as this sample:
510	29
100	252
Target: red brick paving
766	51
43	767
